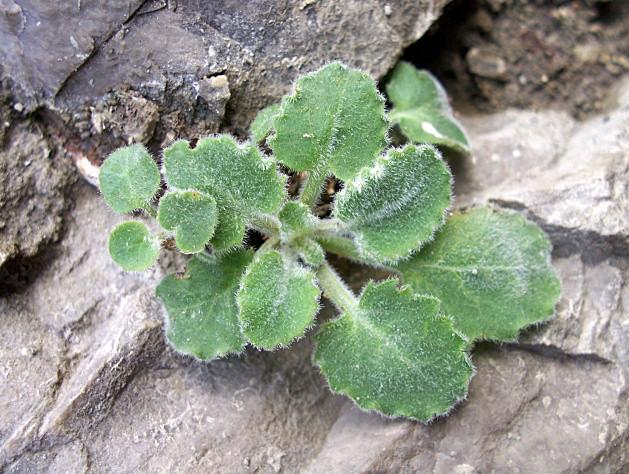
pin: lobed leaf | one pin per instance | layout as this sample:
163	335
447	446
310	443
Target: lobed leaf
263	124
201	305
421	109
491	269
193	217
133	247
129	178
237	176
334	123
278	300
395	353
396	206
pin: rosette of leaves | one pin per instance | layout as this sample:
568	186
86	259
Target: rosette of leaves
401	347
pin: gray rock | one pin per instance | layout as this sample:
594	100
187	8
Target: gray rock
70	57
33	188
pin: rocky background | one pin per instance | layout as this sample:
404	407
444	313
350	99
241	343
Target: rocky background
87	383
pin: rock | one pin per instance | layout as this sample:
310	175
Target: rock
486	62
32	193
69	58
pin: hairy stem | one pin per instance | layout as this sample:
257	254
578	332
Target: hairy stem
335	289
266	224
269	244
312	189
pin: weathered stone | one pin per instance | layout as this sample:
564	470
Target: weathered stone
32	193
68	57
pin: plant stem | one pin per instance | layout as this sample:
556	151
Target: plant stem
312	189
335	290
268	225
269	244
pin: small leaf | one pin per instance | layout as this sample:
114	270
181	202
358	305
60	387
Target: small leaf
334	123
263	123
237	176
192	215
491	269
201	306
278	300
295	219
129	178
421	109
133	247
309	251
394	207
395	353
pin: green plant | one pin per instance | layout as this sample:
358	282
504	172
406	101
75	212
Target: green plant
400	349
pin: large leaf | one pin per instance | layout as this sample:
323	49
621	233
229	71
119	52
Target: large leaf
201	306
192	215
237	176
278	300
395	353
264	122
133	247
396	206
421	109
491	269
129	178
334	123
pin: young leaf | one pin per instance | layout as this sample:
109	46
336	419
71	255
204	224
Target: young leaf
238	177
395	206
202	311
421	109
192	215
129	178
295	219
309	250
395	353
334	123
491	269
278	300
263	123
133	247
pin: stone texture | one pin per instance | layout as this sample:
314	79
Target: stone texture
32	192
78	56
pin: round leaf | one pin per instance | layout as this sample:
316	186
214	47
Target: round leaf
395	353
278	300
333	124
193	217
129	178
201	305
491	269
133	247
396	206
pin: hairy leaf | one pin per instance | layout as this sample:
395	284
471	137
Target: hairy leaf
278	300
421	109
395	353
491	269
295	219
201	306
309	250
334	123
129	178
395	206
133	247
237	176
263	123
193	217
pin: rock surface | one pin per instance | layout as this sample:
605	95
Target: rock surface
80	59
